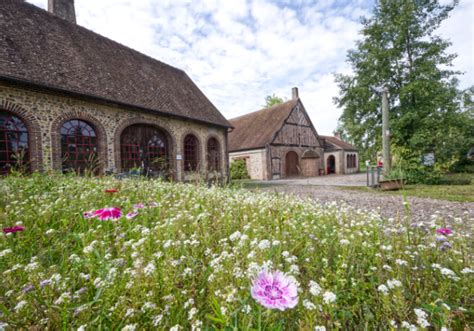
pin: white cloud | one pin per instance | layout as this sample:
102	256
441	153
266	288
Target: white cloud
239	51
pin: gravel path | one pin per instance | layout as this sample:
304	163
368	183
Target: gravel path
386	205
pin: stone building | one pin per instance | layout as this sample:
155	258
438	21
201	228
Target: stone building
73	100
281	141
340	157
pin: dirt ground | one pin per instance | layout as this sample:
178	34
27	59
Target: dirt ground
328	189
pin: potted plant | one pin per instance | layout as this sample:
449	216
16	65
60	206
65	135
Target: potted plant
392	180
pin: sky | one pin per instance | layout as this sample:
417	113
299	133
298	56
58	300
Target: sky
240	51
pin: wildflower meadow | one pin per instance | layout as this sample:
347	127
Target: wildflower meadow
134	254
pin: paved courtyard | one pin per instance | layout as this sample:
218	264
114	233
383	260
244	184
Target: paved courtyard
328	189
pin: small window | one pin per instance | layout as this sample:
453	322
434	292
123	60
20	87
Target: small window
79	146
190	153
213	155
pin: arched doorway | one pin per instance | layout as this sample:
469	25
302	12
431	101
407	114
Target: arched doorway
291	164
146	147
331	165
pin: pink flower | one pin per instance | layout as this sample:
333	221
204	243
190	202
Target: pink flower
275	290
88	214
105	214
131	215
14	229
444	231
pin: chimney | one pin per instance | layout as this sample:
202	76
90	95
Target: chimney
294	93
63	9
337	135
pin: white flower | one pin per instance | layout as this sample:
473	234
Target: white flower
3	326
392	283
234	236
320	328
449	273
130	312
193	311
175	328
383	289
264	244
409	326
5	252
20	305
308	305
329	297
401	262
467	271
149	269
314	288
421	316
344	242
63	297
157	320
130	327
82	328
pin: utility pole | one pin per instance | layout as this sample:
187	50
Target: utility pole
385	131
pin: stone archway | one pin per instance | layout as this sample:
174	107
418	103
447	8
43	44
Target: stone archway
291	164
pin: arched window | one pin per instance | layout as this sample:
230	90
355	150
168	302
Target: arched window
14	151
144	146
213	155
348	161
191	153
79	147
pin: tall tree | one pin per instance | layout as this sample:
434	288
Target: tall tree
272	100
400	50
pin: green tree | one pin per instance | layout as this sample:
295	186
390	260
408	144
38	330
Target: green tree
399	49
272	100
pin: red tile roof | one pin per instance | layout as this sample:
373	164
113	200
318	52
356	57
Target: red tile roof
257	129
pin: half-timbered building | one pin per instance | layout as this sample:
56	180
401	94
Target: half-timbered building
279	142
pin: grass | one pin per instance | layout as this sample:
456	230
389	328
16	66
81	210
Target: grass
189	257
458	193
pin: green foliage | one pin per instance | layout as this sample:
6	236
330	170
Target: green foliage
400	50
189	259
272	100
238	170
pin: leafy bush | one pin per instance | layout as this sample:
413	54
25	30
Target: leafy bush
188	255
238	170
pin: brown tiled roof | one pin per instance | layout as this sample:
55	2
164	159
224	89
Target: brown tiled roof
333	143
42	49
257	129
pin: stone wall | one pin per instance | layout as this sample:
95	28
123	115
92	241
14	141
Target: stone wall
256	161
45	112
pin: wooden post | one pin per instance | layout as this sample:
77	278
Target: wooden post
385	131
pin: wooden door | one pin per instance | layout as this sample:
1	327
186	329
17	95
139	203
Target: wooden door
291	164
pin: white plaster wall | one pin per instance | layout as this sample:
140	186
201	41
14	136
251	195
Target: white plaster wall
256	162
348	170
338	160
